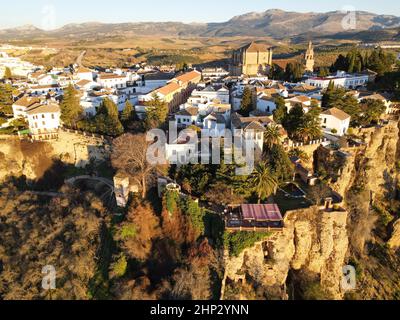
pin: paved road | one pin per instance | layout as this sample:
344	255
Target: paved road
80	58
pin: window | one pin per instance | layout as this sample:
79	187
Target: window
325	120
52	116
43	123
43	116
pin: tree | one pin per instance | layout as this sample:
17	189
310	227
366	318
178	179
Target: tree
107	119
221	193
247	104
341	64
156	112
303	156
7	73
280	111
272	135
323	72
310	129
128	114
69	227
380	61
136	234
264	181
71	109
294	120
129	155
6	99
372	111
280	163
294	72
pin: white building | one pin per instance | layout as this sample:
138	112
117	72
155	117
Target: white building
214	73
266	104
21	106
210	93
341	79
187	117
83	73
44	121
251	129
335	121
116	81
304	101
215	123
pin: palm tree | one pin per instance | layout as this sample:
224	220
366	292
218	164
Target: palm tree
272	135
264	181
303	156
309	130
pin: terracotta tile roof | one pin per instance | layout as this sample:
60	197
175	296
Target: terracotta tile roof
304	88
337	113
44	108
105	76
27	101
169	88
83	82
188	77
191	112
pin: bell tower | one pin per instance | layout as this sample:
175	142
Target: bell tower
309	58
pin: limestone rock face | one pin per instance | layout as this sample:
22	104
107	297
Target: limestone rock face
313	242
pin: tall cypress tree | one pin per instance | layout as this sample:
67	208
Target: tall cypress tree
71	109
107	120
247	102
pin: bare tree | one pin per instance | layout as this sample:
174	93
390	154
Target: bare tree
130	156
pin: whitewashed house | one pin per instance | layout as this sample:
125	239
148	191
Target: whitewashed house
84	74
215	123
212	92
251	129
341	79
187	117
22	105
335	121
266	104
44	121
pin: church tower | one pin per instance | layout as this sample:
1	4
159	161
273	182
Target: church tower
309	58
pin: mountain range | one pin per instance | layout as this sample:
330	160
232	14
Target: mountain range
273	23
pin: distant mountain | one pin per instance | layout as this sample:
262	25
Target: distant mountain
273	23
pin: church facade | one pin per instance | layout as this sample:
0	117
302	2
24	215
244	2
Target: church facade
251	60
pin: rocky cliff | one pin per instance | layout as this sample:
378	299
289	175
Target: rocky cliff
315	244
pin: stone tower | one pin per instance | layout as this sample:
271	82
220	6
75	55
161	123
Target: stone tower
309	58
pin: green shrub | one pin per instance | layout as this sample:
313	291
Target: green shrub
119	267
128	231
236	242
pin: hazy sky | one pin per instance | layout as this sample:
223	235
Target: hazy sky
55	13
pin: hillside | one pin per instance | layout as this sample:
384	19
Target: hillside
272	23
